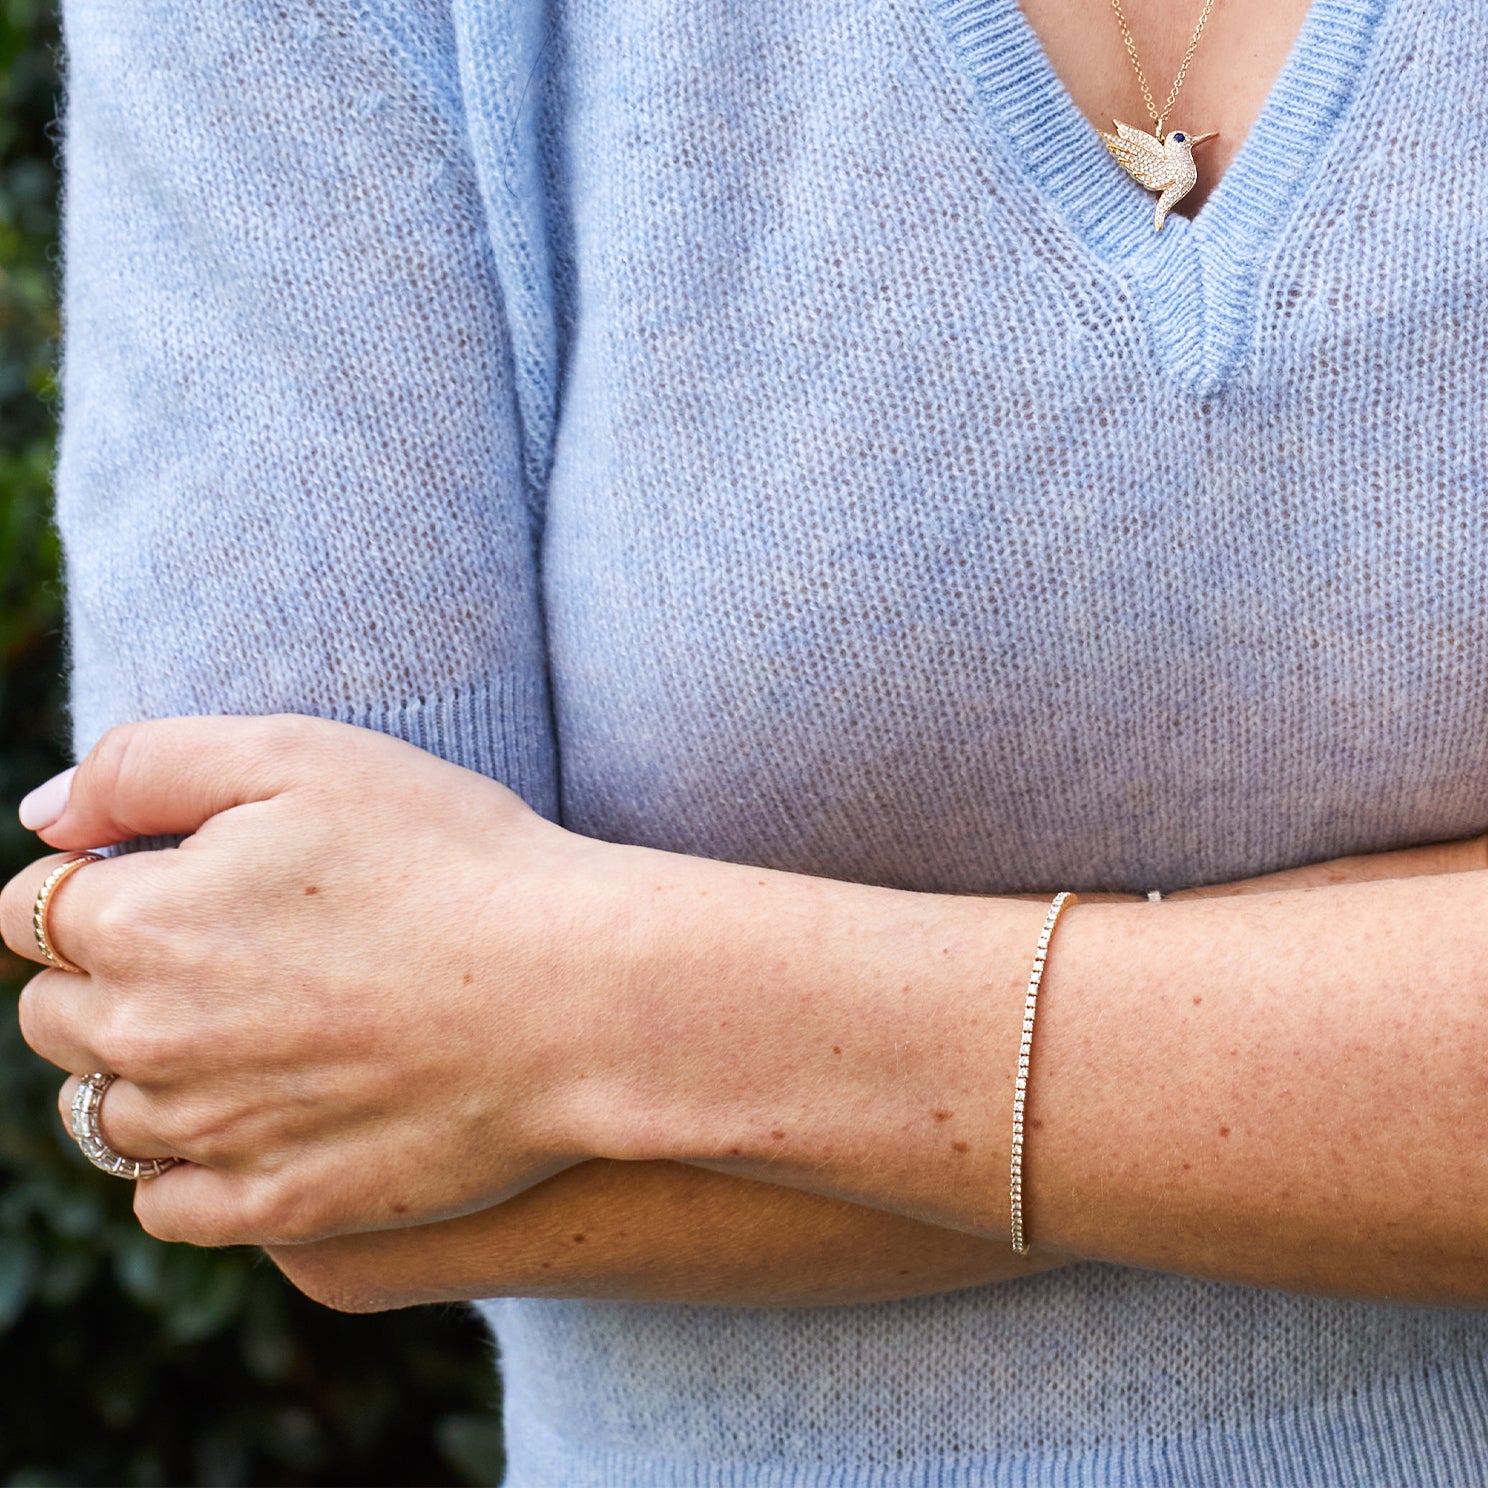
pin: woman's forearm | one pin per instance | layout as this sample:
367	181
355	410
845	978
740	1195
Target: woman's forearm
1283	1090
1288	1091
542	999
665	1231
657	1232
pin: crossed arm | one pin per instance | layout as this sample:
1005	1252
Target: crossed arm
657	1232
736	1085
670	1232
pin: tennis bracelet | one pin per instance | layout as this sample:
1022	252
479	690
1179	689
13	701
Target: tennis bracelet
1030	1003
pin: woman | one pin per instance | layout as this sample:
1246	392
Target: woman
783	447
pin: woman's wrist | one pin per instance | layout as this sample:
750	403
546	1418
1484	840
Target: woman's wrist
839	1037
1218	1087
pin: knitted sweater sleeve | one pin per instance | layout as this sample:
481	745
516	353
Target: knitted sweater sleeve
291	475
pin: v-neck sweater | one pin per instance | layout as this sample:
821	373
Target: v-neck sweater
777	434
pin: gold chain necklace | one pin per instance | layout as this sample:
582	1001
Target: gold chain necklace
1159	162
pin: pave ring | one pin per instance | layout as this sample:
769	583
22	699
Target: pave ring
49	953
89	1134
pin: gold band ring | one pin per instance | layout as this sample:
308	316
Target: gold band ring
49	953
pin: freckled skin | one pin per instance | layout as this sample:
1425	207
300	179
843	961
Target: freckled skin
1224	1131
777	1136
312	888
941	1115
960	1147
1197	1000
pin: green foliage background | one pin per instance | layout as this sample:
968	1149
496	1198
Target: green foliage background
128	1361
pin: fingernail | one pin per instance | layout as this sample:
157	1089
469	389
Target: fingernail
47	802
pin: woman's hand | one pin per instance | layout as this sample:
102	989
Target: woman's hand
340	1001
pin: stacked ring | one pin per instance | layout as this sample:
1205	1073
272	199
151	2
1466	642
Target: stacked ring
88	1133
49	953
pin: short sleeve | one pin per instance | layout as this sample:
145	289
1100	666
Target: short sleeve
291	474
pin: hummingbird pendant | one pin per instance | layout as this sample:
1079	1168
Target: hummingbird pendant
1160	162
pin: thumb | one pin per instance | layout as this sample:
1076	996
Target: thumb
169	775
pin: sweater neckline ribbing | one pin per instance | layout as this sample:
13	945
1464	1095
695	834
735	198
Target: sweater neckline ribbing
1200	273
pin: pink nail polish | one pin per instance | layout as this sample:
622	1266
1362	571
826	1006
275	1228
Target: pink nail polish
47	802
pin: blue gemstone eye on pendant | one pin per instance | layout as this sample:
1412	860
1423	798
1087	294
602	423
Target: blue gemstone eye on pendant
1179	135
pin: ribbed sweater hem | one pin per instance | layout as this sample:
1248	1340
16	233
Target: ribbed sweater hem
1421	1430
499	727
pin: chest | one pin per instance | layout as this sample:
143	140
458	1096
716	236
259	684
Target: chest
1239	55
919	514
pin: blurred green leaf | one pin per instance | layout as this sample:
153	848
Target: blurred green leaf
203	1290
70	1270
138	1267
17	1270
472	1446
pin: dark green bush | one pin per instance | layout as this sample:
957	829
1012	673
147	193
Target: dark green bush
128	1361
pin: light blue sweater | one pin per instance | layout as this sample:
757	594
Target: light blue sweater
774	432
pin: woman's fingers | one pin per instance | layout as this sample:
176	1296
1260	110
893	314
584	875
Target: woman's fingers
171	775
194	1205
59	1018
125	1118
72	908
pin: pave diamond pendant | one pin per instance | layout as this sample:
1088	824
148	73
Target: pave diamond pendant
1160	162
